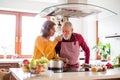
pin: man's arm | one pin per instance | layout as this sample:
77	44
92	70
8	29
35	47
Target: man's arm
84	46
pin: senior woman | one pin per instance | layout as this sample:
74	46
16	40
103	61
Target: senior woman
44	46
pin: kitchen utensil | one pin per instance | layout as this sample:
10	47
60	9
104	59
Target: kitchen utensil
55	65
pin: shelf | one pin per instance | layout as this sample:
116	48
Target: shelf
112	36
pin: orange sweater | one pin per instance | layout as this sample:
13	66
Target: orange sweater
44	47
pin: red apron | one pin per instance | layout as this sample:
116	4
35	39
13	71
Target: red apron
70	50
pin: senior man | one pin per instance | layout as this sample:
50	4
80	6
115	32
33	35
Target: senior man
69	47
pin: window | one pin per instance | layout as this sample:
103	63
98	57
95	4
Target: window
18	32
30	30
7	34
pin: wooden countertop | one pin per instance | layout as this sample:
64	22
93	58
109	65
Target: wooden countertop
48	75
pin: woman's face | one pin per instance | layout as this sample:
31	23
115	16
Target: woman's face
52	31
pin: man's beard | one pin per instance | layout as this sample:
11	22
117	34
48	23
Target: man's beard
65	37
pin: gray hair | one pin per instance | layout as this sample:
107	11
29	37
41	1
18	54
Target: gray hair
68	24
46	28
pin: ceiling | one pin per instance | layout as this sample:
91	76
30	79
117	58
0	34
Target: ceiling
36	6
49	1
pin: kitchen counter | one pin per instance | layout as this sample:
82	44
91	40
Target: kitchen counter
49	75
12	60
19	60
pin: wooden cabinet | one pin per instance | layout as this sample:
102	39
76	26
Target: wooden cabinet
7	66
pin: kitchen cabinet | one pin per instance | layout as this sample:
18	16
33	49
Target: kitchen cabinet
9	65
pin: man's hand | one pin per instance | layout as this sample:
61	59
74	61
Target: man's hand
86	66
65	62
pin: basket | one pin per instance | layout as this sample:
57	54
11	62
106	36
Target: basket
4	74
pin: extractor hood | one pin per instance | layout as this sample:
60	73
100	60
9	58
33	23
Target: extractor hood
75	10
68	12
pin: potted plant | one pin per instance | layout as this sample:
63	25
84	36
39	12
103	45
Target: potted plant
116	60
103	50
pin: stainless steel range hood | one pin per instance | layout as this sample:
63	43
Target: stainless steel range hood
75	10
67	12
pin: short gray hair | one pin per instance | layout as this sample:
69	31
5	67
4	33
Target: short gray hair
68	24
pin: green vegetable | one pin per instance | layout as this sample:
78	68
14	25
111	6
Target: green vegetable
116	59
116	65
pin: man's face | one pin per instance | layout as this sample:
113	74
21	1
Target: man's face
67	32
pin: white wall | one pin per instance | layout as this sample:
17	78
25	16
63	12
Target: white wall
87	27
109	4
89	30
77	24
110	25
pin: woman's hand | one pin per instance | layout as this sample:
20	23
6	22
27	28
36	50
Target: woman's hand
59	38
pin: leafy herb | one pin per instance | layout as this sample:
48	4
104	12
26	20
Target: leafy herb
102	49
